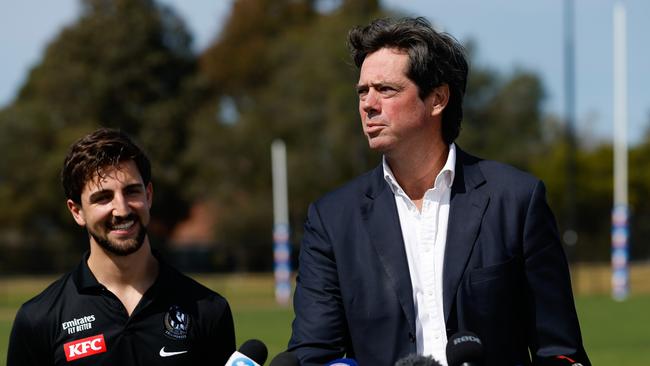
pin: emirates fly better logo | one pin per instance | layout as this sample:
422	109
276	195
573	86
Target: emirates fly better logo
84	347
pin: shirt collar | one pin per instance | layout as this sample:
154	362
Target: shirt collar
85	280
444	178
83	276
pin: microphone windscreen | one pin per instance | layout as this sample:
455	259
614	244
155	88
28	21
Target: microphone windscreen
255	350
285	359
417	360
464	347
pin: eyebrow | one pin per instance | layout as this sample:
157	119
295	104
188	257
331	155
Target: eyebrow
359	87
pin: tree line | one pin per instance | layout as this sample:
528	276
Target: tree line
278	69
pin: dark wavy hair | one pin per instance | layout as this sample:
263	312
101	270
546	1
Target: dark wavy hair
91	154
435	59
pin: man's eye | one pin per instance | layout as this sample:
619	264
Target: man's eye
101	199
133	191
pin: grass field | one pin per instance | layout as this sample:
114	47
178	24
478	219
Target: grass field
615	333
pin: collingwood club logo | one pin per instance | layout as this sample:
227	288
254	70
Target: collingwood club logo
177	323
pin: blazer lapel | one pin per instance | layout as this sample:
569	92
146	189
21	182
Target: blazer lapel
467	206
382	223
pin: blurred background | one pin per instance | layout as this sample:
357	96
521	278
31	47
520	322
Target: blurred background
206	86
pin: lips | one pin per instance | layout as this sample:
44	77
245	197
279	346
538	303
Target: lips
374	128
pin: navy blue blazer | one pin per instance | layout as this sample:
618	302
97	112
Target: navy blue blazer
505	274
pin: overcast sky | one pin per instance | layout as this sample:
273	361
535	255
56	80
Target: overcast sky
510	35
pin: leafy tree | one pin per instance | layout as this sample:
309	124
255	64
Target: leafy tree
503	116
639	191
299	89
125	64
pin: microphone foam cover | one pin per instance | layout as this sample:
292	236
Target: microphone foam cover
417	360
464	347
255	350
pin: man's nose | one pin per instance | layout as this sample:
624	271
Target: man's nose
371	103
121	206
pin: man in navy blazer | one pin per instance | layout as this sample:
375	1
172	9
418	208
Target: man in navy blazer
433	241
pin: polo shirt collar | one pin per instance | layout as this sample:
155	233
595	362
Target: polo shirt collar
86	281
83	277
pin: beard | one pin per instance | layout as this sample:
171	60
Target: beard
123	247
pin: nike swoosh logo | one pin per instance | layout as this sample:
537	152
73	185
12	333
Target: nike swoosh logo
164	353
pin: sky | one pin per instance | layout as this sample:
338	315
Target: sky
510	35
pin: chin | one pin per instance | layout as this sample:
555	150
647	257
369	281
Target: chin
378	147
121	248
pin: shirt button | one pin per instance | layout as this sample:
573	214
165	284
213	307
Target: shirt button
411	337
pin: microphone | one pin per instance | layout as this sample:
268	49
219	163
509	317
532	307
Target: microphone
417	360
343	362
252	353
285	359
464	349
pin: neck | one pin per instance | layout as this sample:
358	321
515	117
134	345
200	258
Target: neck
417	172
138	270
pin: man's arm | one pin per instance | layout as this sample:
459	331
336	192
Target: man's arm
26	346
320	330
552	318
219	341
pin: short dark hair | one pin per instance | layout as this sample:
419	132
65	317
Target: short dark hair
435	58
92	153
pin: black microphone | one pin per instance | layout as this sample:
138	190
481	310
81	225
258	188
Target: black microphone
252	353
285	359
417	360
464	349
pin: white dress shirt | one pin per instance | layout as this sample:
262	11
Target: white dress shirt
425	235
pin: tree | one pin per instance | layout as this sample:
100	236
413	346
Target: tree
125	64
286	73
503	116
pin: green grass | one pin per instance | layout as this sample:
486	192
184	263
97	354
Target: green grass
615	333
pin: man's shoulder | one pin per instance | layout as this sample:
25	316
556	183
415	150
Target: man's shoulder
37	309
351	191
498	174
190	289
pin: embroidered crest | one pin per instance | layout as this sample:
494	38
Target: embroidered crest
177	323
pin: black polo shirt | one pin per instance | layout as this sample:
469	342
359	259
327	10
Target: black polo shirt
77	321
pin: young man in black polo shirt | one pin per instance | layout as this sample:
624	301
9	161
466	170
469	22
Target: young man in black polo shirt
122	305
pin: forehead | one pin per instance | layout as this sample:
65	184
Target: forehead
384	64
113	177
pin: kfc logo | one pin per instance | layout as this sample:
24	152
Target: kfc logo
84	347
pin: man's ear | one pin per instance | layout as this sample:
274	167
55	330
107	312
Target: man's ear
76	211
440	98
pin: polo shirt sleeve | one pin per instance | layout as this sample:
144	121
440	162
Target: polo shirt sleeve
225	331
27	343
218	340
